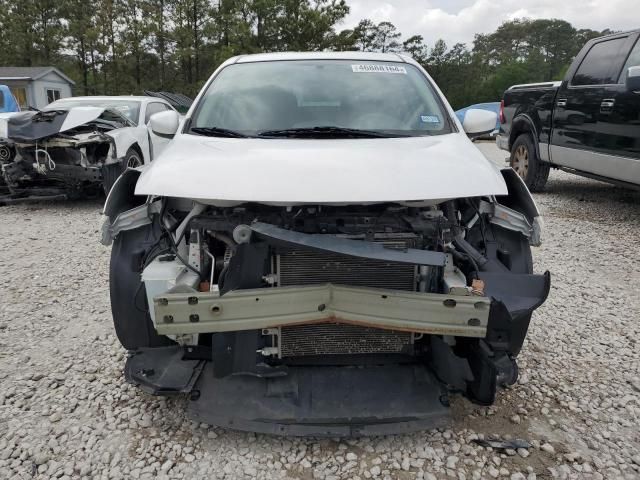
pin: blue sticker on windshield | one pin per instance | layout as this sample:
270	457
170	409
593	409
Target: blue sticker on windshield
430	118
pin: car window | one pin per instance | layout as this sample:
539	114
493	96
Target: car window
632	61
390	97
598	66
128	108
155	107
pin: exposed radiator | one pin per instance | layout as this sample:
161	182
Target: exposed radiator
310	267
341	339
298	266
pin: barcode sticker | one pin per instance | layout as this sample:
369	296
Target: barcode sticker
372	68
430	119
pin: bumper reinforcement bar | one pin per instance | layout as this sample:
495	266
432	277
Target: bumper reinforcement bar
439	314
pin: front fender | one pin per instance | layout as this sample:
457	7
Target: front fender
125	138
522	123
122	195
520	199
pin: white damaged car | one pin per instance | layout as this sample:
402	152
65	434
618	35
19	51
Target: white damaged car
77	146
321	250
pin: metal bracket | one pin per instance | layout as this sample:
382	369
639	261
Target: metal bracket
509	219
454	280
129	220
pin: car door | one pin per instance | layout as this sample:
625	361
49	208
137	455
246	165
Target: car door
575	139
157	143
620	132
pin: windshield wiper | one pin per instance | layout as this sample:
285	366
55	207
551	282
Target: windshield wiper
218	132
319	132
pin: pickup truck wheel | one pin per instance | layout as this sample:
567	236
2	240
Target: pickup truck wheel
527	165
110	173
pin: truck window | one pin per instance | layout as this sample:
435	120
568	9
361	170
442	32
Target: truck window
598	66
632	61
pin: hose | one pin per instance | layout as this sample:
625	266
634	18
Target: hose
173	245
459	240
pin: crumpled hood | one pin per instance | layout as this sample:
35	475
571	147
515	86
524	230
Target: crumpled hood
298	171
32	126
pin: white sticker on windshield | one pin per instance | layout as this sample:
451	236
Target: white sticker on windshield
371	68
430	119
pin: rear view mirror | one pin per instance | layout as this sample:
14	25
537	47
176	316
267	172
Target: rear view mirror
165	124
479	122
633	79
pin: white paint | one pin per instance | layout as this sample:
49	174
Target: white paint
165	123
4	125
294	171
126	137
79	116
150	144
227	171
478	121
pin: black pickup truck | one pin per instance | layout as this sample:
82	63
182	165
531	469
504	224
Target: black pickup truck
587	124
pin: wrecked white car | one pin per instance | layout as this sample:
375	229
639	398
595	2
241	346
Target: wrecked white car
321	250
77	146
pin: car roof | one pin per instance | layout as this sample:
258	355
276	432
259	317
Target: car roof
132	98
357	56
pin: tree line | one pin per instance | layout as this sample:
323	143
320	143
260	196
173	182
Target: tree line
126	46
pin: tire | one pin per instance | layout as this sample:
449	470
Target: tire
526	163
6	157
111	173
133	325
6	153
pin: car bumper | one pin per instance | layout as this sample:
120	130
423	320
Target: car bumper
502	142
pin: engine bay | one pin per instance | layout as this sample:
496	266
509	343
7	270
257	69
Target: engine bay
257	290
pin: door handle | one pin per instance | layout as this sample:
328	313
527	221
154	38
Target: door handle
562	102
607	105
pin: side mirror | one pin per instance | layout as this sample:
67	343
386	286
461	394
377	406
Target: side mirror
479	122
633	79
165	124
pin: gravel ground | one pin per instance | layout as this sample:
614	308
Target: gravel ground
66	412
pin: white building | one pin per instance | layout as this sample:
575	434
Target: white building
36	86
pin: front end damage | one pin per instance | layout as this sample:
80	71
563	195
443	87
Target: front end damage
47	157
326	320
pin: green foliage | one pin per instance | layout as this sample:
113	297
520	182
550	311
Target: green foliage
127	46
519	51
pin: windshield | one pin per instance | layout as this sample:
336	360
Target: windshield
386	97
128	108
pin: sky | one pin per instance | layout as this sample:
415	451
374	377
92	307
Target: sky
458	20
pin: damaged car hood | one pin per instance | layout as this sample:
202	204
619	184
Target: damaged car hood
32	126
301	171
